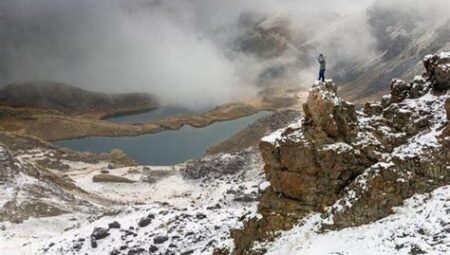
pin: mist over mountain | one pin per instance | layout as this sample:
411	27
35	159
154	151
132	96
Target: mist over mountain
200	53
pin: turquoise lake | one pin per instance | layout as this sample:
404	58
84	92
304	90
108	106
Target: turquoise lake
167	147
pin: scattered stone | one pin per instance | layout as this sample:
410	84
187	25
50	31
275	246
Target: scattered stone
99	233
114	224
129	233
135	251
93	243
77	246
144	221
245	199
115	252
153	249
160	239
416	250
200	216
169	252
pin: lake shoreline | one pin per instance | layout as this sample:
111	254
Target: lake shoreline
165	148
52	127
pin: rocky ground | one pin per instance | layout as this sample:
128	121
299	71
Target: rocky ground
150	210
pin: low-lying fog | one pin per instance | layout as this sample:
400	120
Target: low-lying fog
196	53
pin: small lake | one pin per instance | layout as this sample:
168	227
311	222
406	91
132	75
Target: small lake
156	114
167	147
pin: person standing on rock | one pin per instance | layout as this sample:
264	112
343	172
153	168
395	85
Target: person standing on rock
322	63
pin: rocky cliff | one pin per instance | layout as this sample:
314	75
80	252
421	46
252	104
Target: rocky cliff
355	166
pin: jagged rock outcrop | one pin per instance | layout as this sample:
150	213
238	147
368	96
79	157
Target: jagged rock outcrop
352	166
312	160
325	112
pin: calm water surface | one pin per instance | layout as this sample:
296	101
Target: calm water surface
156	114
168	147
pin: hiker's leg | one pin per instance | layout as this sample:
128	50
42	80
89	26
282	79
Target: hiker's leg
321	75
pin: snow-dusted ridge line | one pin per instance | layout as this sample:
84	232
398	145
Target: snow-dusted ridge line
421	224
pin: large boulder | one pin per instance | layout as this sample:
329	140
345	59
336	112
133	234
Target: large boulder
99	233
438	69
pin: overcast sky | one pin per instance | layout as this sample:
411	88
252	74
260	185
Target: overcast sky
178	50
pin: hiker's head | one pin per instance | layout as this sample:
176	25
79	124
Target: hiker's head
320	55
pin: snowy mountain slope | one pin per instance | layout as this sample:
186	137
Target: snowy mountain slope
28	191
185	215
420	226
